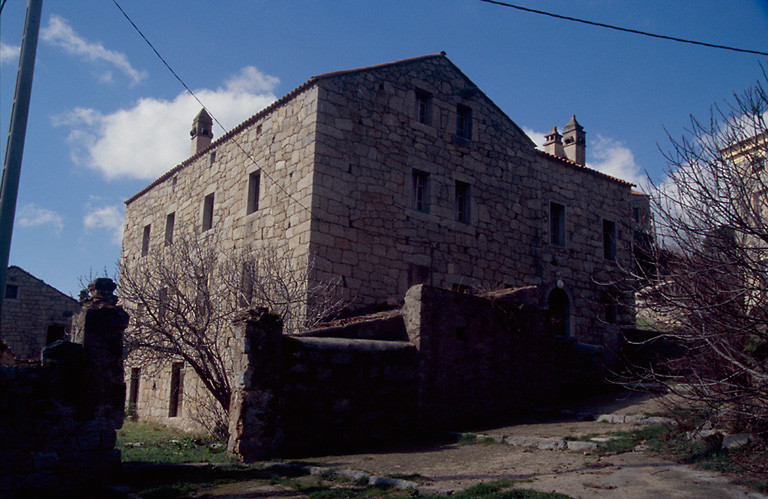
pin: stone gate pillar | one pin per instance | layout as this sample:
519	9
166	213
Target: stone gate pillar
99	328
254	412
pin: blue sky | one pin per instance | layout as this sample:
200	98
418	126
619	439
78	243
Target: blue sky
107	117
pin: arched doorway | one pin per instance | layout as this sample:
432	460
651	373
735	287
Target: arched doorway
560	312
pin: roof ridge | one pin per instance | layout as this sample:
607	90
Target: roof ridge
41	281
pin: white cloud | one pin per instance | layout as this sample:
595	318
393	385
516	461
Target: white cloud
150	138
32	215
536	137
9	53
105	217
59	33
613	158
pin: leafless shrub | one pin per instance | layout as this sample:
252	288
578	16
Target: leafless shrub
710	299
182	300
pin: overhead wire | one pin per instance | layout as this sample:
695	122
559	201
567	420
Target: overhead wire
625	30
213	117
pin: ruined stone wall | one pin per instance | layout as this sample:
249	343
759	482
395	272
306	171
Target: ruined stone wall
36	309
484	358
470	360
58	420
302	394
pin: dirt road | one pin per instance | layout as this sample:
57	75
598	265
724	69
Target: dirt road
453	467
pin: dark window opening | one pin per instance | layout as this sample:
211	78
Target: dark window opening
133	389
177	389
420	191
462	202
423	107
11	291
463	121
145	241
559	312
557	224
170	221
254	181
208	212
609	240
611	313
54	333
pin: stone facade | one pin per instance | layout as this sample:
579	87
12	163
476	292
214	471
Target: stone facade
400	174
34	314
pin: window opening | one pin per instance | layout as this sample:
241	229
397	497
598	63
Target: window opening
462	202
609	240
177	389
420	191
170	221
254	181
463	121
557	224
423	106
145	241
54	333
133	389
208	212
11	291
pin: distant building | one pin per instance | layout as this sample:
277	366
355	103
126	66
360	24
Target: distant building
35	314
400	174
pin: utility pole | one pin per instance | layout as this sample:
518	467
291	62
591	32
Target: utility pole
9	188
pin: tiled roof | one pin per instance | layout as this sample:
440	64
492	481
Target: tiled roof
570	163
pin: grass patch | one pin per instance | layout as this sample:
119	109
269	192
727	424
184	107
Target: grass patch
141	442
503	489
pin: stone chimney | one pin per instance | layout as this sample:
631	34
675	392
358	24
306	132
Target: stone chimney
202	131
553	143
575	142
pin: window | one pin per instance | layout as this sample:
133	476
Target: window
54	333
212	159
423	107
177	389
254	180
11	291
420	191
133	390
609	240
462	202
145	241
170	220
557	224
611	313
208	212
463	121
636	215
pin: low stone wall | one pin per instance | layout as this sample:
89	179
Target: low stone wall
58	419
485	358
469	360
314	394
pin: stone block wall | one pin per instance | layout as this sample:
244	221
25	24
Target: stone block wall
58	419
302	395
469	360
35	312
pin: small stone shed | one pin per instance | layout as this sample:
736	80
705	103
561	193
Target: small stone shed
35	314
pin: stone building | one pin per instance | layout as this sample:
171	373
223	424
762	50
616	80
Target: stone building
400	174
35	314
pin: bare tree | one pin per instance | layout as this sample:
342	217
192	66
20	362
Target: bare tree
711	215
183	298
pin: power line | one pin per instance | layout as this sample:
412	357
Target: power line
189	90
626	30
